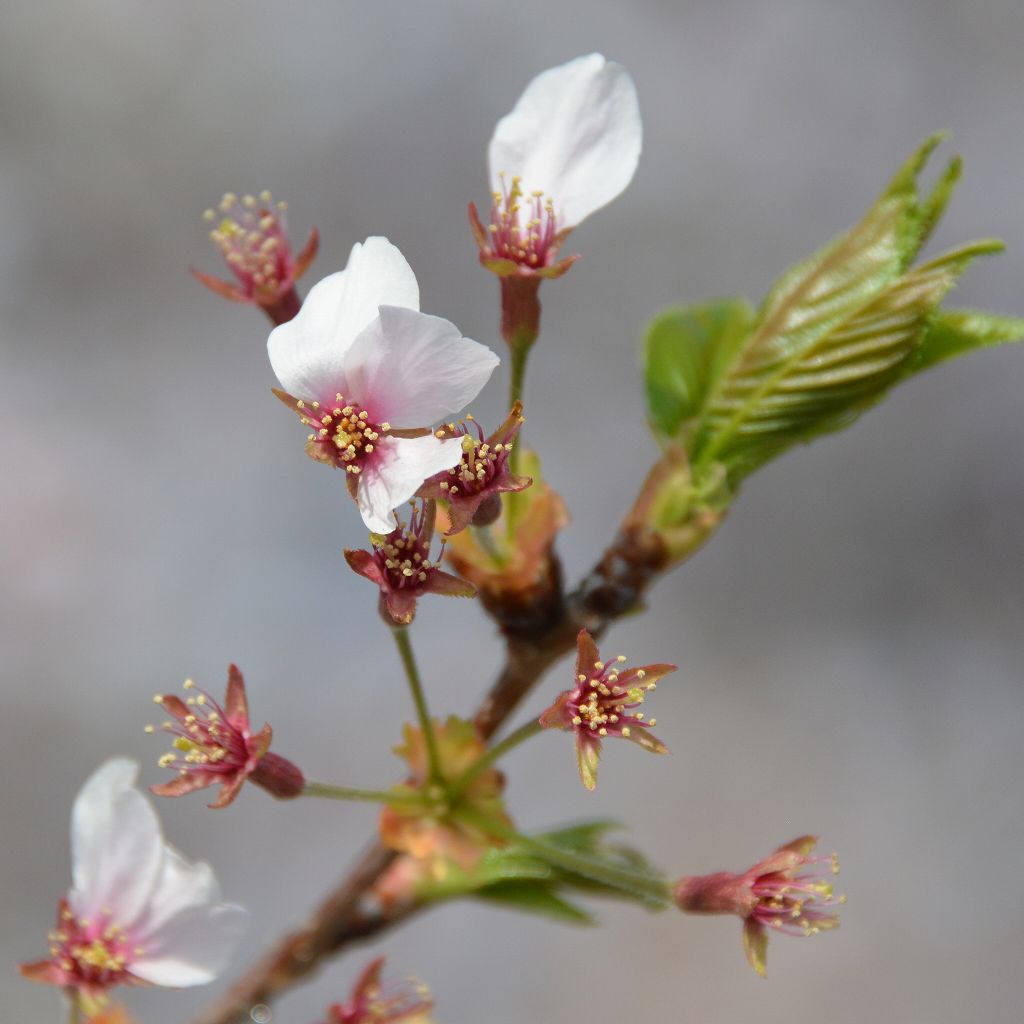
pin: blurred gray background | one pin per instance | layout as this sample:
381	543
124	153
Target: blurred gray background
850	644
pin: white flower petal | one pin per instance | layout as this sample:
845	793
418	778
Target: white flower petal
180	884
116	845
575	134
308	352
410	369
192	948
397	474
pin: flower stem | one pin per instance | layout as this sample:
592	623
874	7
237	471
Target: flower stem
499	750
412	675
520	353
380	796
75	1015
517	374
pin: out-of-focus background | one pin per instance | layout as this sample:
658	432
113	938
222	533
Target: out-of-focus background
850	644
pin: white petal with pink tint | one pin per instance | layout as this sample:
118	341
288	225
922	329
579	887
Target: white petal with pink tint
410	369
308	352
192	948
116	844
575	134
181	885
123	870
398	473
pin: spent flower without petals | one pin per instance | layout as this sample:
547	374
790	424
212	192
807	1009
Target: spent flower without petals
375	1002
471	489
400	566
603	705
252	235
215	745
789	891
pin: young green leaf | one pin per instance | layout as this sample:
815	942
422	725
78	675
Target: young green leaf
955	332
685	350
830	338
824	385
535	898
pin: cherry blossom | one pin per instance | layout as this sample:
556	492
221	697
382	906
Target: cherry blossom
569	146
137	911
366	372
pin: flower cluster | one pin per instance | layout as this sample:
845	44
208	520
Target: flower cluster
371	377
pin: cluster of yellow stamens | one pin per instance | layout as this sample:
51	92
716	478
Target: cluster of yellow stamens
252	236
342	432
404	557
527	243
91	952
202	736
799	903
601	705
480	462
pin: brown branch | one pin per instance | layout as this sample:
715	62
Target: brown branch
613	588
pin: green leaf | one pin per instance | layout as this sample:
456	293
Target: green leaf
584	837
832	335
686	349
954	332
535	898
825	385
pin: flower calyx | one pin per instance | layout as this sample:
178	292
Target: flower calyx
215	745
439	827
399	564
789	891
471	490
251	233
602	705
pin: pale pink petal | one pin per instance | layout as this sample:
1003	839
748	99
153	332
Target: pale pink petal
411	370
192	948
116	845
575	134
397	473
180	884
308	352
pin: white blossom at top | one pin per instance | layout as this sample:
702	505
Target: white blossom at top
137	910
574	135
363	362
